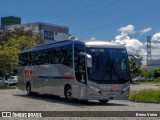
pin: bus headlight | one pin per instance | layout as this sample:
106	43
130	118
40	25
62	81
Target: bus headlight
125	89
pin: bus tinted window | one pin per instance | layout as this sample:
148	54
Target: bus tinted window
100	70
66	52
57	55
119	63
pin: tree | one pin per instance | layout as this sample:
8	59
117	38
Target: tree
71	37
134	71
143	72
132	67
157	73
11	43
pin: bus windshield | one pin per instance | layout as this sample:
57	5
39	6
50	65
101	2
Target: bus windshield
109	65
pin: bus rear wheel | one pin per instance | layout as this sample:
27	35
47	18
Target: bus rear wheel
68	93
103	101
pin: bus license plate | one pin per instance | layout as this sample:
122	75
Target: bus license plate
116	87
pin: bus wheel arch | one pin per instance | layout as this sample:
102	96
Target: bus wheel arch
68	92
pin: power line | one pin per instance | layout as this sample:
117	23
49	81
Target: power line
119	21
97	16
74	11
92	11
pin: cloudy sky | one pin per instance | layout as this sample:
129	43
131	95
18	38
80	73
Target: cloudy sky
134	45
124	21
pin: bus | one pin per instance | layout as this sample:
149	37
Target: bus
95	70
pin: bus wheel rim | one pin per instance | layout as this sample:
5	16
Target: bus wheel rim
69	94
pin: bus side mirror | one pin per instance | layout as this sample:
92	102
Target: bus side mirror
88	59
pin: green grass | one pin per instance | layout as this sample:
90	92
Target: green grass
146	95
7	87
156	81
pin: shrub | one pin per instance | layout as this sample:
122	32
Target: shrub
146	95
7	87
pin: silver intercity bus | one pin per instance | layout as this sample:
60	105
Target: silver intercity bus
86	71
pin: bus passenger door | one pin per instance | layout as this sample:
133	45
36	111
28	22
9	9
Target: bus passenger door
79	88
80	74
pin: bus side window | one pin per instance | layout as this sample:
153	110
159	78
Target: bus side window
20	60
66	54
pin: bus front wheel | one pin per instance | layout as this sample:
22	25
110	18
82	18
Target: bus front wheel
68	93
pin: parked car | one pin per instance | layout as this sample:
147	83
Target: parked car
2	80
150	79
136	79
139	79
13	80
143	79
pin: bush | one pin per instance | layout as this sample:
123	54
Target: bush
156	80
7	87
146	95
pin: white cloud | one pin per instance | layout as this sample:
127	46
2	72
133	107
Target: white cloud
129	29
92	38
76	38
156	37
134	46
122	36
145	30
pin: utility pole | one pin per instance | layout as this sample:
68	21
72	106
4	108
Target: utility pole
148	48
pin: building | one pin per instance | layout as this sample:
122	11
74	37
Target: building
153	64
50	32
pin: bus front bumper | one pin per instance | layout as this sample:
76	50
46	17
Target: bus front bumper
97	94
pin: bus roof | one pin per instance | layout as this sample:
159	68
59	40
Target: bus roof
104	44
50	45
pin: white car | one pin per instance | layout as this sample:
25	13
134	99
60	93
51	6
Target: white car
13	80
2	81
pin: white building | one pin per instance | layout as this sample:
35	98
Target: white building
50	32
153	64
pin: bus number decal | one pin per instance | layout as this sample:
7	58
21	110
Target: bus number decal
27	74
117	87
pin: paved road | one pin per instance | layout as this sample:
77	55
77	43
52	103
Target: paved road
17	100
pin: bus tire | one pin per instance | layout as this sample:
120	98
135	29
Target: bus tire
103	101
28	89
68	93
